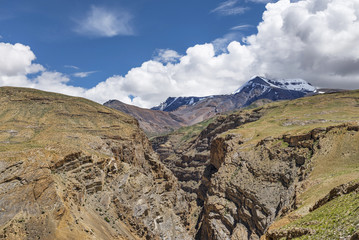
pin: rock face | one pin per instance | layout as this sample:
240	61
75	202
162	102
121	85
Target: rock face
336	192
250	187
189	161
73	169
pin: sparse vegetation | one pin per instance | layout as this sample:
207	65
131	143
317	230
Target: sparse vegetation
192	131
337	219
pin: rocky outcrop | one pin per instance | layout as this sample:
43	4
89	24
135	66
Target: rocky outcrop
336	192
355	236
249	187
189	161
89	174
289	233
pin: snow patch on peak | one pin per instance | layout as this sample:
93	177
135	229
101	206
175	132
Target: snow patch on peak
286	84
250	82
294	84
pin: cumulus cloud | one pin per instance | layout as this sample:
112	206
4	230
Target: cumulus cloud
16	63
220	44
311	39
17	60
229	7
200	72
316	40
102	22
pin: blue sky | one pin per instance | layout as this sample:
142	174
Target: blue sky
143	51
50	28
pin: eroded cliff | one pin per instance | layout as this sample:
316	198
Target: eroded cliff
249	169
73	169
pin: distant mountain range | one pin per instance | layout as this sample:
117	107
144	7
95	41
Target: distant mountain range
181	111
262	88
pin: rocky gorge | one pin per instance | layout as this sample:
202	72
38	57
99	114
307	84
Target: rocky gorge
71	169
245	178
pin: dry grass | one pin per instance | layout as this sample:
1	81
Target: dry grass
34	120
302	115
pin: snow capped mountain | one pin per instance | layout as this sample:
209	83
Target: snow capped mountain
285	84
254	89
172	103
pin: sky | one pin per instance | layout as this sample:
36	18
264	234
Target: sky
143	51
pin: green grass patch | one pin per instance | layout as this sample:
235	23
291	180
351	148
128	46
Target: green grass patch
335	220
193	131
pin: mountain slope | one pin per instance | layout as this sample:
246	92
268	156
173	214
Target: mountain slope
255	89
74	169
185	111
264	89
268	166
284	84
151	121
173	103
71	168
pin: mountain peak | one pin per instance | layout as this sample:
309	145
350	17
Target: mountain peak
173	103
285	84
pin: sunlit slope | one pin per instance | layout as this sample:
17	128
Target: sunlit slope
33	119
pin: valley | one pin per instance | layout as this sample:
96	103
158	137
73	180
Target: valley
71	168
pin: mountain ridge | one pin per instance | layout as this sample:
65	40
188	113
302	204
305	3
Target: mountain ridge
295	85
177	112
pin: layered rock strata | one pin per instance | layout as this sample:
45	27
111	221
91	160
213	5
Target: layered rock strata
73	169
250	187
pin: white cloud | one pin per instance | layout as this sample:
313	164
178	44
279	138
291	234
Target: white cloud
17	60
313	39
220	44
316	40
241	27
200	72
16	63
102	22
229	7
166	55
72	66
83	74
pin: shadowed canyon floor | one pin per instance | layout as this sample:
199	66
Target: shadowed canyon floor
73	169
